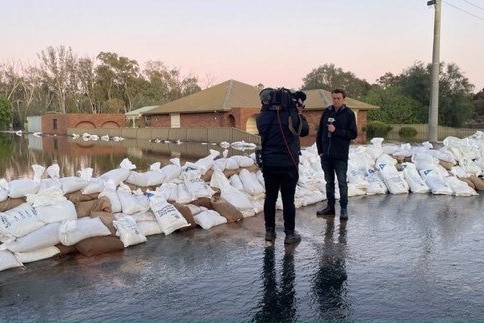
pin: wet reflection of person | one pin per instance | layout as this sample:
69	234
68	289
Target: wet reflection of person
277	304
330	279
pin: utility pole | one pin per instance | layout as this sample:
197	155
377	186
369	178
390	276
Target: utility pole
434	95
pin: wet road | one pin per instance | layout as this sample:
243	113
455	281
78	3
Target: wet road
400	257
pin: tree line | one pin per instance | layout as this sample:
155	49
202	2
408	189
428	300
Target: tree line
63	82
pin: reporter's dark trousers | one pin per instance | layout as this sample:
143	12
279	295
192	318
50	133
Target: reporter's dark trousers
332	166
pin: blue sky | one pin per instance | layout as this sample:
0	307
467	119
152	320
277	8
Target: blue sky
276	43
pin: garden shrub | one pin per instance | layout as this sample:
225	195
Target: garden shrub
377	129
407	132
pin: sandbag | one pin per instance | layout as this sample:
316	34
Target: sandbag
94	246
227	210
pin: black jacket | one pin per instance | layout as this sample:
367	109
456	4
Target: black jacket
337	144
280	131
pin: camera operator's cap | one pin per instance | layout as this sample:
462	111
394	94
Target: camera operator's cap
266	95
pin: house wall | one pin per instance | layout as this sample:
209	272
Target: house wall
241	117
59	123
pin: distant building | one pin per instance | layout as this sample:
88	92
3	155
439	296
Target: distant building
59	123
236	104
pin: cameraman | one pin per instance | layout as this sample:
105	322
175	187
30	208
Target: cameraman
337	128
280	124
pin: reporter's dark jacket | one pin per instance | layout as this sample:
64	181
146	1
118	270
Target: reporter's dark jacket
280	131
338	144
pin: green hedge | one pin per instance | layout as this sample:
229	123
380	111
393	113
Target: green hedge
377	129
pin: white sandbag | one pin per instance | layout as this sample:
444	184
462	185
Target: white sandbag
143	216
72	184
243	161
128	231
413	178
208	219
47	183
73	231
8	260
111	193
48	196
459	188
43	237
206	163
394	181
21	187
132	203
120	174
356	174
95	185
236	182
148	228
424	161
376	185
19	221
459	172
36	255
195	209
198	188
435	181
250	183
149	178
3	190
168	217
168	190
58	212
183	194
237	198
172	171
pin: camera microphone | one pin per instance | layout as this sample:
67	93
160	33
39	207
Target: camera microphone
330	121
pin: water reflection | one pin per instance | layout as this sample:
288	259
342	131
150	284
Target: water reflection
19	153
278	303
330	280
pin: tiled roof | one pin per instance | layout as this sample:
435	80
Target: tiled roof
234	94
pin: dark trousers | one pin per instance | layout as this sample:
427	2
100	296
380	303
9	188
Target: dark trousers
339	167
284	179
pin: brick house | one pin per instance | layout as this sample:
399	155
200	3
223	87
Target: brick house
236	104
59	123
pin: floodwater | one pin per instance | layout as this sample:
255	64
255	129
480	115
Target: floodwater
416	257
19	153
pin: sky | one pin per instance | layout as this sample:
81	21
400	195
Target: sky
270	42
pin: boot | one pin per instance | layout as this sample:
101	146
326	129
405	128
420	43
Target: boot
270	234
328	211
344	214
292	238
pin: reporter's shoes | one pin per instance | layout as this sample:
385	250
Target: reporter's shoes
343	215
327	212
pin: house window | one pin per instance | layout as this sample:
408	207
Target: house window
54	125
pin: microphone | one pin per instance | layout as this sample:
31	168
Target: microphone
330	121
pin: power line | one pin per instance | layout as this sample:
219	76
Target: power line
474	5
467	12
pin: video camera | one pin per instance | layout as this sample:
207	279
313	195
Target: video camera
281	98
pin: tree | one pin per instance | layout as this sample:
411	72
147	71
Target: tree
58	66
455	105
394	107
5	112
328	77
118	75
